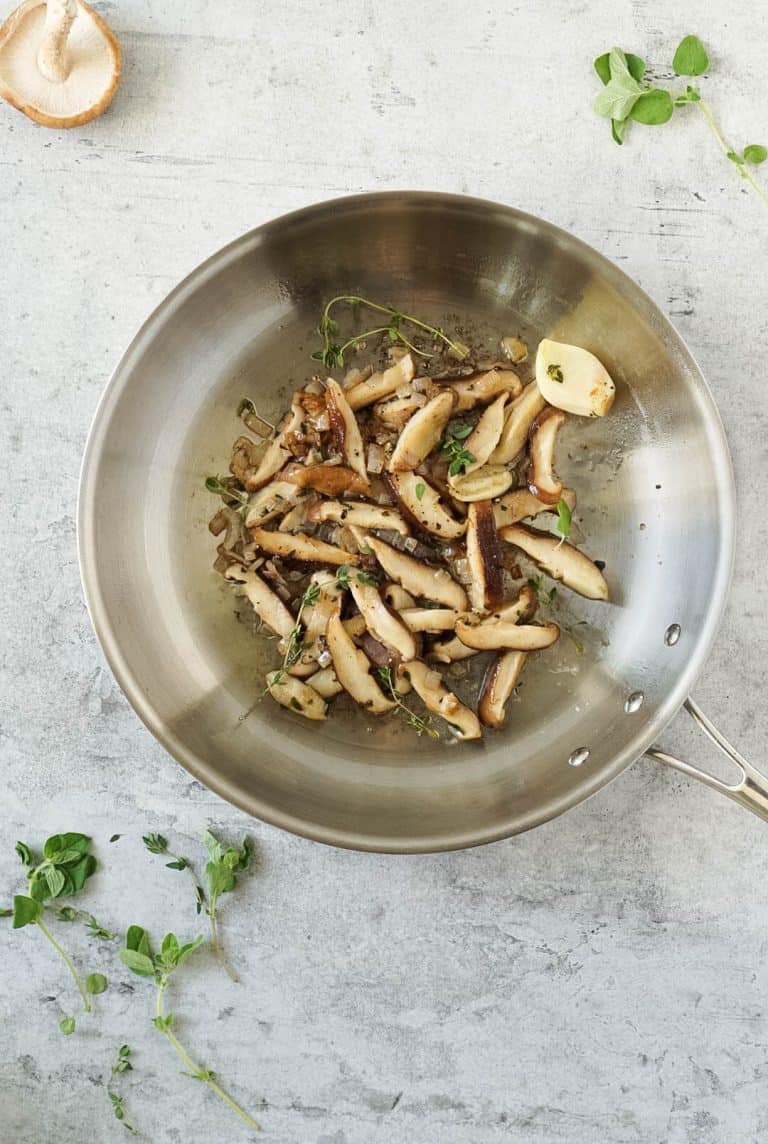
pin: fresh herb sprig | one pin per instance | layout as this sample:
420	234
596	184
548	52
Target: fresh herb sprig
157	844
564	519
122	1064
94	927
222	868
227	489
295	644
332	353
421	724
63	870
139	957
343	574
628	96
452	449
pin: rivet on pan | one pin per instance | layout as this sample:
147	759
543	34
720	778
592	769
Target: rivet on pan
672	635
576	758
634	702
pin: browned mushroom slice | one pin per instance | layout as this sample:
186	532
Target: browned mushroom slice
397	597
383	625
381	384
298	546
523	608
486	483
430	620
450	650
418	578
353	668
315	620
397	411
344	425
325	683
485	436
436	697
422	432
270	501
484	555
518	418
483	387
245	458
498	686
542	479
361	515
421	503
331	480
266	604
559	560
520	503
493	634
296	696
278	452
296	519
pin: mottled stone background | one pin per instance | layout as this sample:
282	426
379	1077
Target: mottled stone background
602	979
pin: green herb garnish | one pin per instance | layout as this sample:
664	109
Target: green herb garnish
332	353
421	724
420	489
221	872
555	372
121	1065
564	519
452	449
228	489
295	644
157	844
627	96
141	960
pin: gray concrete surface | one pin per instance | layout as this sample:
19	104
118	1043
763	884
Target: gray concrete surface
602	979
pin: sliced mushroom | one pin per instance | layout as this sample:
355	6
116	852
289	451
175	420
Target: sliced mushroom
381	384
421	502
422	432
520	503
450	650
361	515
278	452
559	560
298	546
270	501
383	624
60	62
245	459
523	608
484	555
515	349
498	685
331	480
344	425
490	635
397	597
431	620
266	604
483	387
398	410
420	579
296	518
518	418
542	479
485	436
354	626
573	379
437	698
353	668
325	682
296	696
486	483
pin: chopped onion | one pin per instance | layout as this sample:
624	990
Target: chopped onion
410	544
375	460
462	571
322	422
403	390
325	659
515	349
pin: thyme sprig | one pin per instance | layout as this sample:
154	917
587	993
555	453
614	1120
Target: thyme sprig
422	725
333	351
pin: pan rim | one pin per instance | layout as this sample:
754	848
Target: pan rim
647	731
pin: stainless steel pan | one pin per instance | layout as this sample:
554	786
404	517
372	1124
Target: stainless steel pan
656	503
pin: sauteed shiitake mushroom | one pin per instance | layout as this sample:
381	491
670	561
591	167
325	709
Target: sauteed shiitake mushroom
376	530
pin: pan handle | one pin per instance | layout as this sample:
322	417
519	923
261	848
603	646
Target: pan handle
751	791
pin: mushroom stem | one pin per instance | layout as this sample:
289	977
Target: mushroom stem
52	58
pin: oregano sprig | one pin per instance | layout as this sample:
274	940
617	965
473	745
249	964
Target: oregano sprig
222	868
628	96
122	1064
158	844
139	957
62	871
453	450
333	351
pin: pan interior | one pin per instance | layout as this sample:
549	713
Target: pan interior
654	503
